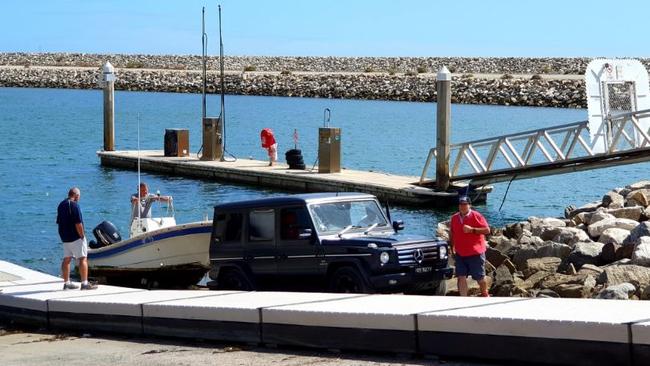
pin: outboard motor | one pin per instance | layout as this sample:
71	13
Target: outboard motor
106	234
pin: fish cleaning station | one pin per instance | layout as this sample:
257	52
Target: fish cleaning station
543	330
616	133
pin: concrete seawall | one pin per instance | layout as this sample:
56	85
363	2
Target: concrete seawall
498	81
542	330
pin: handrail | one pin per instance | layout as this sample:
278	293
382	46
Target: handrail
623	133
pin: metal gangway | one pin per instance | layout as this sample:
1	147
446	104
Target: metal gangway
617	133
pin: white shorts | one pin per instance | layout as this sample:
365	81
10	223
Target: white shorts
273	152
77	248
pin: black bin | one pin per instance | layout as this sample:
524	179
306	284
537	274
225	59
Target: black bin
177	142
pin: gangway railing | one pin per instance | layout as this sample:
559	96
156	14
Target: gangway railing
547	151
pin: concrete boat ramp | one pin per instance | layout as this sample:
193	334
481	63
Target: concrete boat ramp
544	330
395	188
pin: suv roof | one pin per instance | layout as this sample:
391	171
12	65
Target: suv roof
304	198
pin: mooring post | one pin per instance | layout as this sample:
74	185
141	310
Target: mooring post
108	82
443	120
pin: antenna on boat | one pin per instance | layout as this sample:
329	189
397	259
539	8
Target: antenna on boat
139	197
204	50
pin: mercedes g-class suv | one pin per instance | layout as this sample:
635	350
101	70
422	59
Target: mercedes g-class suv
341	242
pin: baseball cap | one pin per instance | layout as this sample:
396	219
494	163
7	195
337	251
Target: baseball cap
464	199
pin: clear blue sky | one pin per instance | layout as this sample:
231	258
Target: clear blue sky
331	28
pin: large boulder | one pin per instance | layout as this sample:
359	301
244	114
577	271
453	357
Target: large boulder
582	218
599	215
516	230
639	197
638	185
547	293
633	213
569	236
609	254
539	226
645	293
596	229
556	279
590	269
501	243
545	264
614	235
613	199
622	291
535	279
524	253
584	253
503	276
589	207
641	254
615	274
572	290
552	249
442	230
643	229
495	257
527	238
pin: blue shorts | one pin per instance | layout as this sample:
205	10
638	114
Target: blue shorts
473	265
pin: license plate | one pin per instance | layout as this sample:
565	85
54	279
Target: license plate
423	269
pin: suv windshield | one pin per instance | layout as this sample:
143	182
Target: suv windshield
335	216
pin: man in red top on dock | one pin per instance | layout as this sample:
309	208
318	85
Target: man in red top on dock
268	142
467	237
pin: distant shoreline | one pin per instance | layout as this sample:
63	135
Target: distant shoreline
545	82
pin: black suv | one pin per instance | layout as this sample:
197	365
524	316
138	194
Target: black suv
339	241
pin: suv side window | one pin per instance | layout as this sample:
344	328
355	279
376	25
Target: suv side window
228	227
293	221
261	225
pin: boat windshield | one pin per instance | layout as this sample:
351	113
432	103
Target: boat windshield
333	217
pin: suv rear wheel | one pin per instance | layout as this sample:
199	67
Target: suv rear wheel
234	279
348	280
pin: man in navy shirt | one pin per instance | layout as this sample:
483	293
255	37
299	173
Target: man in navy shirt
71	231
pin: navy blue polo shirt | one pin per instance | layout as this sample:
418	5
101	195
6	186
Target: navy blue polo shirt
68	214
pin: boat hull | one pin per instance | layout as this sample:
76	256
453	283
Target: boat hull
169	277
171	257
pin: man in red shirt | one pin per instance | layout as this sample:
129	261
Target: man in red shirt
268	142
467	237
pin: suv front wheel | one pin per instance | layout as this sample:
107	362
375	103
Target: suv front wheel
348	280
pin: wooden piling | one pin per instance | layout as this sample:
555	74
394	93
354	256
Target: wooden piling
108	81
443	121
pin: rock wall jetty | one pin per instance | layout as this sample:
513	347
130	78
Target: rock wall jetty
600	250
554	82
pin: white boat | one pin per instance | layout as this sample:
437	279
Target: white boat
158	253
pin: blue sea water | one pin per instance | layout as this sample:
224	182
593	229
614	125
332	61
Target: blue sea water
50	138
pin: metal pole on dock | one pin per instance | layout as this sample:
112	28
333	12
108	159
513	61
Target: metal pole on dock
108	83
443	120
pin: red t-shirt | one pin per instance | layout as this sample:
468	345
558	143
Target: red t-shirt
468	244
267	138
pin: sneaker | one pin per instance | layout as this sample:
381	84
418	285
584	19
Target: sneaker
70	286
89	286
485	295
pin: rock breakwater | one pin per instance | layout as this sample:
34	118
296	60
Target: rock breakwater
458	65
402	79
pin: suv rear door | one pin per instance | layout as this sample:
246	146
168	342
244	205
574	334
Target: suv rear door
260	250
226	241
